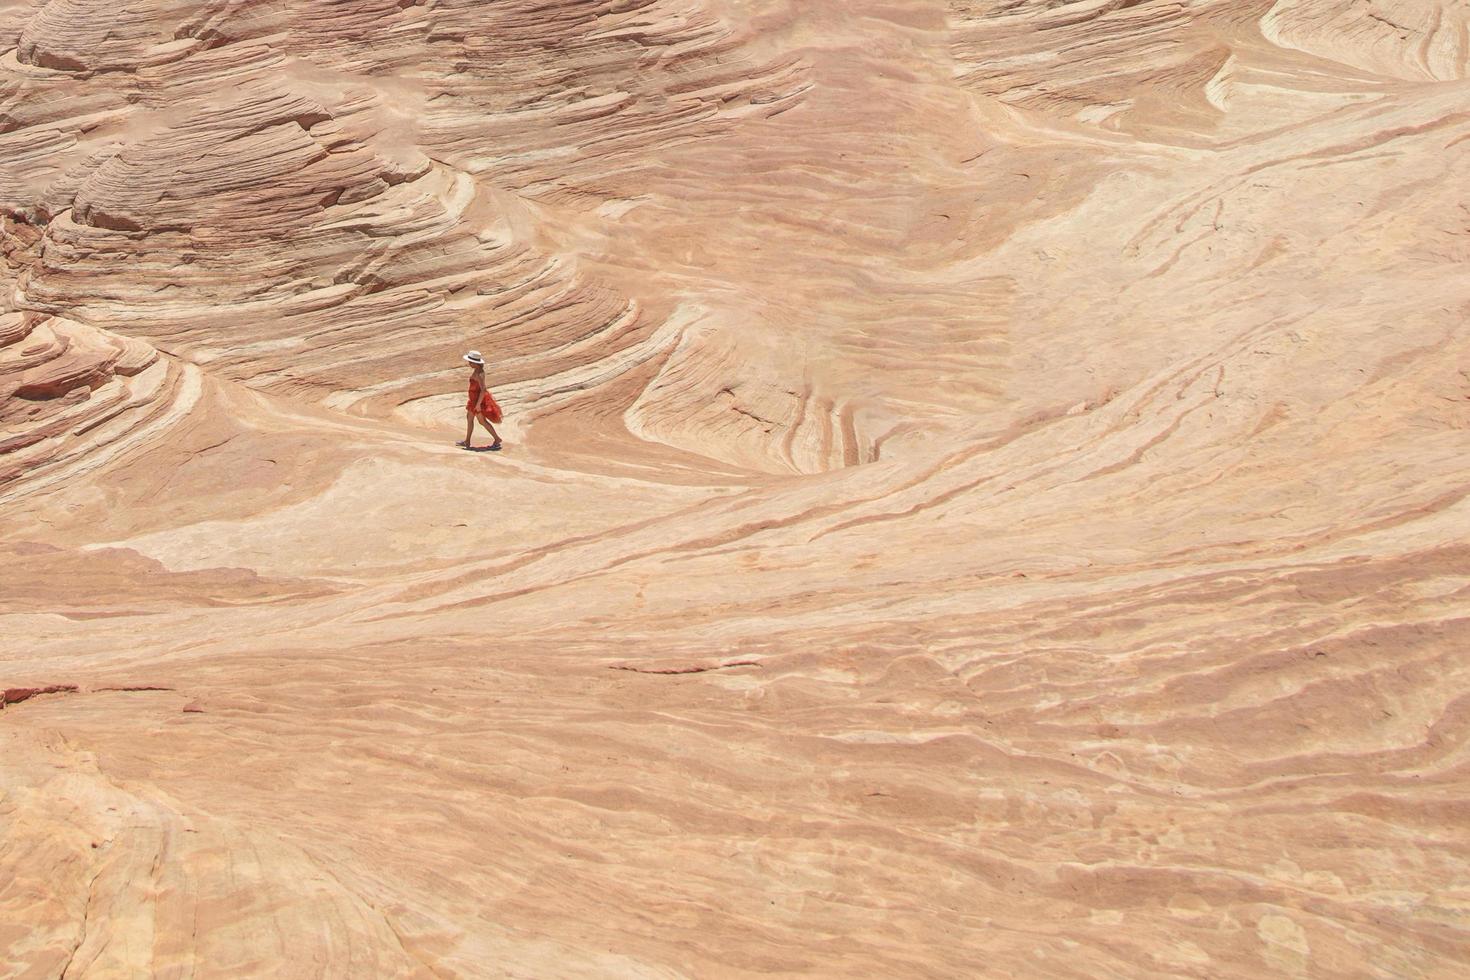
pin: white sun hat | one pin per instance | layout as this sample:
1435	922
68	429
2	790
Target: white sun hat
474	357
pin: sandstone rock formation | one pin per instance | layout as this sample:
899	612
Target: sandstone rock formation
985	488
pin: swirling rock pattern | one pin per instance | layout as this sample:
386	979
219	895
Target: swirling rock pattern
985	488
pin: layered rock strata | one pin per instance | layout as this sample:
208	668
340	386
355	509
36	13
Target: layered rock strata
984	489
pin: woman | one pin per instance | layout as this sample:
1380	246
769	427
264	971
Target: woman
481	405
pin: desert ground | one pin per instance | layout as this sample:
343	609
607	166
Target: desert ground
984	489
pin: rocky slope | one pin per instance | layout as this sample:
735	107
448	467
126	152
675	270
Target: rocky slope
984	490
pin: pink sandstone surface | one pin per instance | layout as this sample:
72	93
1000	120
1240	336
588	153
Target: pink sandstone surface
985	488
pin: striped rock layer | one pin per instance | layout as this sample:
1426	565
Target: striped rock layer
984	489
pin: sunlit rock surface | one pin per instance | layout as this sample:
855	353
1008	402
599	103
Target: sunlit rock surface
984	489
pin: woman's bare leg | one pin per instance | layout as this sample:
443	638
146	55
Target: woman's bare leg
469	429
493	434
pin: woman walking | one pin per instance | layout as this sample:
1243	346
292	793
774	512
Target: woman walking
482	404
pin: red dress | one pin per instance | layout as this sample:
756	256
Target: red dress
481	401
